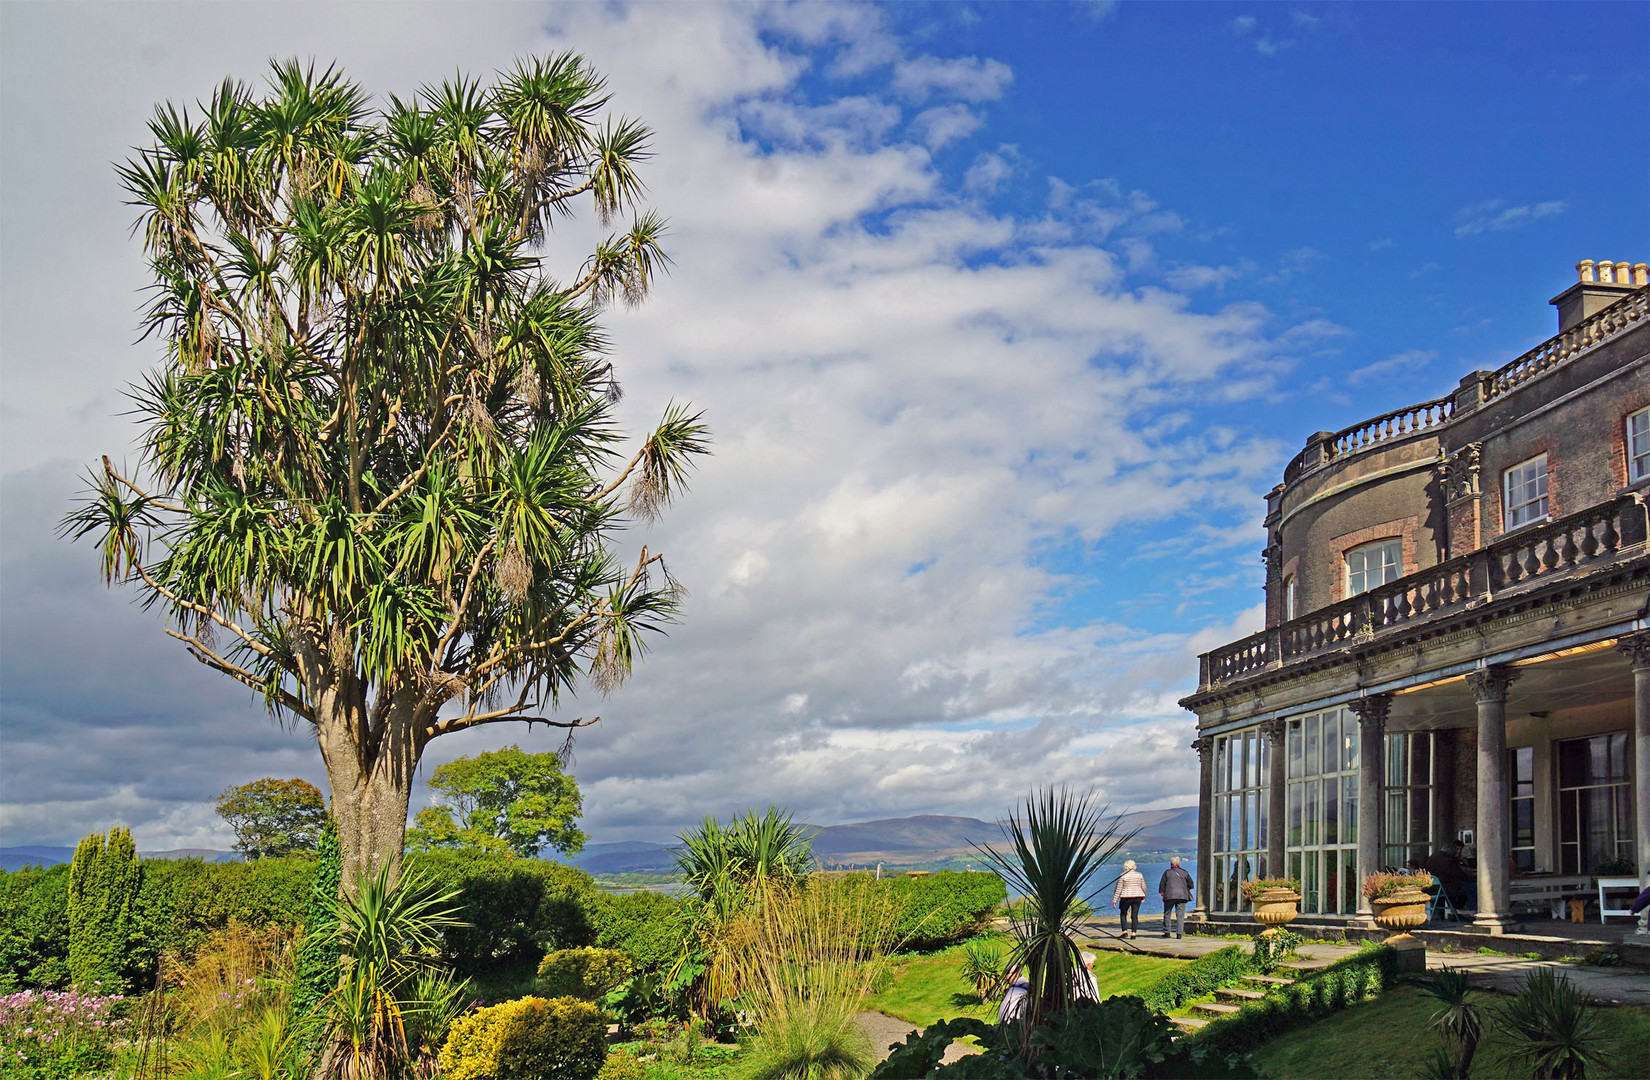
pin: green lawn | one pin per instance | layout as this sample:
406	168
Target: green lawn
1390	1038
929	988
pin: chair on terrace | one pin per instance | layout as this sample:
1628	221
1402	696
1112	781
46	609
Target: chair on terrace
1442	907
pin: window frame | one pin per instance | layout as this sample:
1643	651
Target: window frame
1509	510
1638	465
1395	542
1291	610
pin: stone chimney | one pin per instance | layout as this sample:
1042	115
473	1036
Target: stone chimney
1601	284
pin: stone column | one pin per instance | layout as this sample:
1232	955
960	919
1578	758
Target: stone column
1276	791
1637	649
1205	748
1489	688
1371	712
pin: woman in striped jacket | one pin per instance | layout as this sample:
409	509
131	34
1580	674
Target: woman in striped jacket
1128	896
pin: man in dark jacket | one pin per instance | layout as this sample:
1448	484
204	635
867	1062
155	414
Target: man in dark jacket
1175	888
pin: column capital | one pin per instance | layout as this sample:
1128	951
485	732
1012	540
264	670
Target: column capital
1636	647
1275	731
1490	683
1372	710
1204	745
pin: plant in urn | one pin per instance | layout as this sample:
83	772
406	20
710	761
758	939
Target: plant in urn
1276	901
1399	903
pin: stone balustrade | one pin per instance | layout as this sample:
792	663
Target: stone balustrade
1606	324
1536	554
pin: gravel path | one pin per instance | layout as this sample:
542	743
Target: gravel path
886	1031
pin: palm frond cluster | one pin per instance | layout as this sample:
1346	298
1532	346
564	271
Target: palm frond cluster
380	468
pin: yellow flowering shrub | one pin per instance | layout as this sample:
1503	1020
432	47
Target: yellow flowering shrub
530	1038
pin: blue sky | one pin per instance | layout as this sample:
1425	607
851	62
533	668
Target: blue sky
1005	316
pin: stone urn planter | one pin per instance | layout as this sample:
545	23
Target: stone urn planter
1402	910
1275	908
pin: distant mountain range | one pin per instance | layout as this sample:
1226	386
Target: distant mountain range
15	858
926	842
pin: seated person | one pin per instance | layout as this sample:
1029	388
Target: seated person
1446	866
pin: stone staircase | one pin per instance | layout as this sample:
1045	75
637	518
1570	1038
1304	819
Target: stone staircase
1230	1000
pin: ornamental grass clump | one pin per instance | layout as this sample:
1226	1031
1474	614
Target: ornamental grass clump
1381	885
1554	1032
807	954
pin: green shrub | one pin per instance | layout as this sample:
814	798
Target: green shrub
317	968
183	901
1202	976
34	928
585	974
103	889
945	908
646	926
513	909
622	1065
1316	995
531	1038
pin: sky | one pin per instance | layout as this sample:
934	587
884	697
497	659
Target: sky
1005	317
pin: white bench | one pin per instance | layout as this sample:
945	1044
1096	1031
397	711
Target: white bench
1551	891
1629	883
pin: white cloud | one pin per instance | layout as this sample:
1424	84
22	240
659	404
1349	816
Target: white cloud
913	393
943	124
968	78
1494	215
1397	364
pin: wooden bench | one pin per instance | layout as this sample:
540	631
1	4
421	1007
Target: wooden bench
1551	891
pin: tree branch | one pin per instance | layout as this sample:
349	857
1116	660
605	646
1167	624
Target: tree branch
212	660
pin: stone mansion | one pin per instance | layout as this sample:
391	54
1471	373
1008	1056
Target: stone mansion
1457	639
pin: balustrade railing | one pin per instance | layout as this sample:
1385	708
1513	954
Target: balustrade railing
1392	425
1624	313
1550	551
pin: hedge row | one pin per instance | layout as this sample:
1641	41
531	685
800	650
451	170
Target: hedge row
1315	995
515	909
947	907
1202	976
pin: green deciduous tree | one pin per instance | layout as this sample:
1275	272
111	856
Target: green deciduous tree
502	800
104	880
274	817
380	477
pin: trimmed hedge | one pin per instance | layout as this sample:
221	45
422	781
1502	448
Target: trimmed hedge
513	909
1315	995
643	925
1202	976
945	908
530	1038
517	908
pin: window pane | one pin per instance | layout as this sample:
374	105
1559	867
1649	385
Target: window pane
1331	741
1349	816
1294	837
1420	759
1598	759
1395	818
1331	881
1396	757
1295	736
1523	823
1252	819
1349	881
1312	812
1220	823
1331	812
1313	758
1309	885
1523	770
1262	836
1638	445
1349	741
1572	763
1618	757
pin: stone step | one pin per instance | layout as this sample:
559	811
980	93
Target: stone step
1189	1023
1269	980
1215	1008
1233	993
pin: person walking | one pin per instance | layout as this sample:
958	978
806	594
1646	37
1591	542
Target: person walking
1016	999
1128	896
1175	887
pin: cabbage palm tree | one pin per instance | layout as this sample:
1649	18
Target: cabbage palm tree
380	479
1055	846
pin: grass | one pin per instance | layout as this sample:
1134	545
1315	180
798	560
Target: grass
674	1061
1390	1037
929	988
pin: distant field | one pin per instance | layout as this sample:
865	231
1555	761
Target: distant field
929	988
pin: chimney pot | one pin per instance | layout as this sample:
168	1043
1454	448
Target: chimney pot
1641	273
1624	273
1584	268
1606	272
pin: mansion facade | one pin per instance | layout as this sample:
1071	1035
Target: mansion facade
1457	637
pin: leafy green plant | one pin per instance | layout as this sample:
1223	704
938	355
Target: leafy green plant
1056	845
1554	1032
947	907
586	974
1255	887
317	966
1202	976
1103	1040
720	860
34	928
1317	994
1272	947
502	801
531	1038
982	966
1457	1018
646	926
274	817
1379	886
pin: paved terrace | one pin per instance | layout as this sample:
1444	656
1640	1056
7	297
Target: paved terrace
1609	986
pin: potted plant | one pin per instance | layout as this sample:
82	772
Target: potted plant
1399	900
1276	900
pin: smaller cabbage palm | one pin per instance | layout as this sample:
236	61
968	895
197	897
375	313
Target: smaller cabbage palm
982	966
1554	1032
